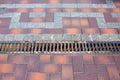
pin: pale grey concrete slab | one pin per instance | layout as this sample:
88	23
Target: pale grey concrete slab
67	37
69	5
6	15
86	37
28	37
37	14
76	37
15	17
109	4
9	37
37	37
1	37
115	15
113	25
58	37
95	37
109	37
19	37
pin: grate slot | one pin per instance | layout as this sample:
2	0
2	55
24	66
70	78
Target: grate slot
79	47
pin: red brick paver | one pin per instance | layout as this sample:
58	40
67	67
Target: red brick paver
53	67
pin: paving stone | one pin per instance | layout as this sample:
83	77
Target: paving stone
7	68
34	14
9	38
85	76
28	38
47	37
53	6
19	37
48	25
95	37
113	72
50	68
78	64
86	37
1	37
21	25
20	70
57	22
115	15
104	60
37	75
62	14
7	76
88	59
77	14
76	37
67	37
107	37
56	76
101	22
57	37
113	25
34	25
5	15
92	68
59	59
3	58
15	17
67	69
69	6
37	37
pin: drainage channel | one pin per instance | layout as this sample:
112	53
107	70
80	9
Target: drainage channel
59	47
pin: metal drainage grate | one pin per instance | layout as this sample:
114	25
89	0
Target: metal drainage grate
59	47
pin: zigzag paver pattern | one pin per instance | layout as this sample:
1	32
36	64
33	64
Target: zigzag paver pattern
60	17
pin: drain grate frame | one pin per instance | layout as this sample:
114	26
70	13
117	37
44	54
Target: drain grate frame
59	47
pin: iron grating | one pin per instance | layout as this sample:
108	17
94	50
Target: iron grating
59	47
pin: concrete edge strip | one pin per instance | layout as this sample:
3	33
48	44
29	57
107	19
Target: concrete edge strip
60	37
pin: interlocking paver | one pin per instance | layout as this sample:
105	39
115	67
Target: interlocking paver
67	72
88	59
78	64
20	72
113	72
86	20
50	68
37	76
45	59
33	63
85	76
92	68
61	67
56	76
62	59
7	68
103	76
7	76
3	58
104	60
23	16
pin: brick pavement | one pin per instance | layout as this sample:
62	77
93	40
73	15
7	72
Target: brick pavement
59	67
86	20
52	18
